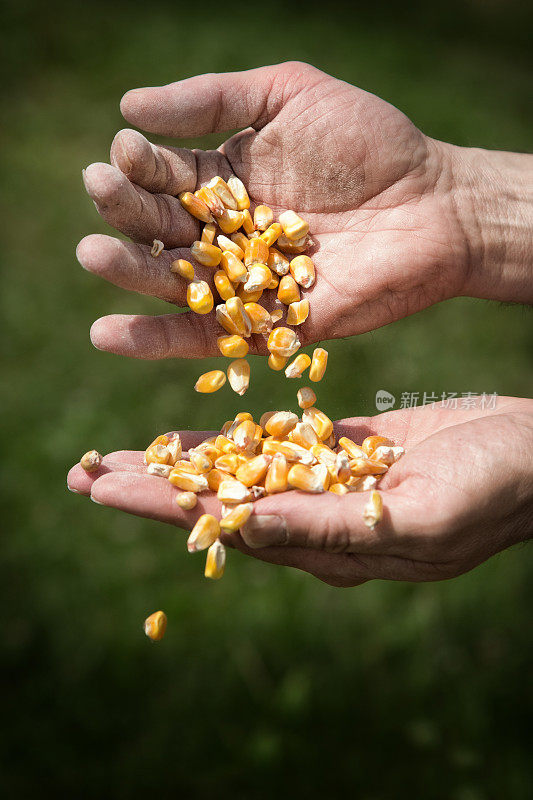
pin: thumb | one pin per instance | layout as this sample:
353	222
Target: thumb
215	101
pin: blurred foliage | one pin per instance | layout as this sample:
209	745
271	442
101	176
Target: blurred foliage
269	682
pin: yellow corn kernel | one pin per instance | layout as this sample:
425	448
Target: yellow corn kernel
234	269
174	447
297	313
215	561
303	271
157	248
239	317
321	423
219	186
232	346
330	441
319	363
199	297
224	319
210	382
239	375
208	233
200	461
91	461
204	533
253	471
265	417
276	362
215	478
372	442
325	455
304	435
244	435
247	222
155	626
238	190
276	315
259	277
271	234
210	451
232	491
363	466
186	500
306	397
353	449
288	291
373	511
276	477
302	477
277	261
226	244
338	488
256	252
281	423
365	484
236	518
298	366
184	268
229	462
161	439
291	451
240	240
196	207
212	201
188	481
294	227
342	467
274	281
157	454
185	466
207	254
293	248
254	234
248	297
223	285
283	342
260	318
159	470
263	218
225	445
241	416
230	221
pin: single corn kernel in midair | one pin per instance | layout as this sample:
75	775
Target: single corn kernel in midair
208	233
297	313
157	248
297	367
212	201
199	297
91	460
186	500
234	269
373	511
207	254
248	223
271	234
276	362
306	397
238	190
232	346
319	363
278	261
283	342
302	477
184	268
281	423
239	375
155	625
159	470
253	471
215	561
319	421
230	221
204	533
227	244
256	252
263	217
237	313
195	206
288	291
260	318
210	382
219	186
223	285
259	277
294	227
303	271
236	517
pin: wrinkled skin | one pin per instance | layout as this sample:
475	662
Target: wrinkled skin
462	492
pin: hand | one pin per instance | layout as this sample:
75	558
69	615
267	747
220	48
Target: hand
462	492
393	224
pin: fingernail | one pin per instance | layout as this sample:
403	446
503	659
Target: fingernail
124	164
265	531
98	503
74	491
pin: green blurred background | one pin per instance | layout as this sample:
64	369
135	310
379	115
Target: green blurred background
267	683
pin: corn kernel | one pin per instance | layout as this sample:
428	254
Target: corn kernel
281	423
207	254
155	626
276	315
219	186
238	190
224	319
244	435
157	248
303	271
260	318
210	382
276	362
353	449
365	484
295	247
215	561
372	442
239	239
283	342
159	470
204	533
263	217
230	221
256	252
324	454
233	491
234	269
199	297
157	454
91	461
271	234
186	500
278	261
297	313
373	511
304	435
247	222
294	227
212	201
208	233
229	462
236	518
223	285
302	477
298	366
259	277
184	268
321	423
306	397
319	363
232	346
338	488
195	206
227	244
239	375
174	448
291	451
254	470
274	281
200	461
225	445
288	291
265	417
188	481
363	466
248	297
276	477
185	466
215	478
237	313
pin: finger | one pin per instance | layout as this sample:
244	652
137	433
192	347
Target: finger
139	214
80	481
157	168
187	335
210	103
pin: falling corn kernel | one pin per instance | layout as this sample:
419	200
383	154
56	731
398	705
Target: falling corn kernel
155	625
294	227
215	561
91	460
210	382
238	190
187	500
195	206
184	268
297	313
232	346
276	362
157	248
283	342
199	297
298	366
204	533
239	375
306	397
373	510
318	366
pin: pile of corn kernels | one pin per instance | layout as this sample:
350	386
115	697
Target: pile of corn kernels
283	451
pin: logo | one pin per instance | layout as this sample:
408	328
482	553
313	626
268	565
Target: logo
384	400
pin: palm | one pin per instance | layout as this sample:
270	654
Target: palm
356	167
455	499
